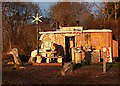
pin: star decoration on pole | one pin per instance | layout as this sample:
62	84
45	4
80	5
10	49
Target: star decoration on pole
37	18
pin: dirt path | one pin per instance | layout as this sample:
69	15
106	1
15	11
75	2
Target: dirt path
89	74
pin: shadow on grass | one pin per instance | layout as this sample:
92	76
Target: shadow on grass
14	67
79	65
76	66
109	66
112	65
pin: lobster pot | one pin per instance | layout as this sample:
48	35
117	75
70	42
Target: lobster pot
95	56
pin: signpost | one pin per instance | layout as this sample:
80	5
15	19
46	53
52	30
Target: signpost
37	19
107	58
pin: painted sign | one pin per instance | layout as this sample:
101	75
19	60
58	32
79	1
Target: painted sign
76	32
108	54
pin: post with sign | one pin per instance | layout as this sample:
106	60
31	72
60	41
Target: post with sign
107	57
36	20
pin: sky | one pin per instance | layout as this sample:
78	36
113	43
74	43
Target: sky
69	0
44	6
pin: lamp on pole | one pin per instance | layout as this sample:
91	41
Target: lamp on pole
36	20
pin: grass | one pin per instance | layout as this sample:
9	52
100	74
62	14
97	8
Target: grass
109	65
10	68
14	66
76	66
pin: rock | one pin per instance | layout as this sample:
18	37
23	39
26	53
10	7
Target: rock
21	67
10	63
14	52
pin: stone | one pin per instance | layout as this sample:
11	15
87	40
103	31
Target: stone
14	52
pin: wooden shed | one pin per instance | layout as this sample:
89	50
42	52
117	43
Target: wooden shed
79	44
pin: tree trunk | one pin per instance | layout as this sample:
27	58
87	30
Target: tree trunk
10	44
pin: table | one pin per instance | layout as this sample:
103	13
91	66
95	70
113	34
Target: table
50	55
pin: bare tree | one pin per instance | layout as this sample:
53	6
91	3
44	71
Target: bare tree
16	15
67	13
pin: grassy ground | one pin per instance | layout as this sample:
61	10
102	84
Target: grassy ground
82	74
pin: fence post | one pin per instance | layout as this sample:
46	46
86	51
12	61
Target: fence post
104	60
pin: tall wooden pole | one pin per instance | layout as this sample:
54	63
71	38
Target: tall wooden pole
37	20
37	39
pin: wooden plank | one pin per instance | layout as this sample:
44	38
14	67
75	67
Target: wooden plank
47	64
115	48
